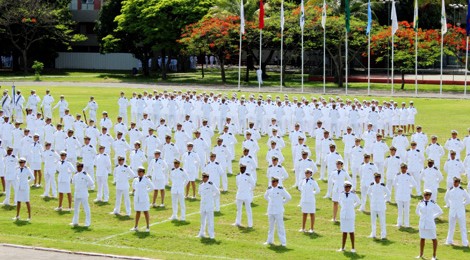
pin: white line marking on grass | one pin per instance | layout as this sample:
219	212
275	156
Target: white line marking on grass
123	247
164	221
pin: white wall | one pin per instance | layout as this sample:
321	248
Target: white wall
95	61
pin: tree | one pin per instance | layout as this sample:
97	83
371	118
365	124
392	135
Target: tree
215	35
27	23
429	50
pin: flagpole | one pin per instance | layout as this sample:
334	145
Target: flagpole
416	63
302	60
442	59
260	53
346	47
393	56
368	65
324	60
466	64
240	61
282	42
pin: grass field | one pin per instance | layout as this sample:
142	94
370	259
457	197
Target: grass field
176	240
212	78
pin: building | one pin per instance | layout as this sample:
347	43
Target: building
85	13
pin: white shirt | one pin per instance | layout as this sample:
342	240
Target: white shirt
378	194
122	174
457	198
179	178
308	189
276	198
82	182
403	183
245	185
427	212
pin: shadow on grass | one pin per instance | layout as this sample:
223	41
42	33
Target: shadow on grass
254	205
353	255
462	248
441	190
80	229
312	235
366	213
101	203
208	241
122	217
8	207
159	208
141	235
245	229
408	230
21	223
191	200
279	249
179	223
64	212
441	221
47	199
383	242
218	214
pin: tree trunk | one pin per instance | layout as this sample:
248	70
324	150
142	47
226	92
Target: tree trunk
145	65
402	79
164	65
202	64
25	61
249	64
222	68
265	64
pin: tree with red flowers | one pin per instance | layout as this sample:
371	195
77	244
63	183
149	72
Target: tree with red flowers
429	50
215	35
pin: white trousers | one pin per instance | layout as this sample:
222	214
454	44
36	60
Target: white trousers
364	188
403	213
86	208
417	176
249	214
103	188
373	221
9	186
51	185
276	219
175	198
207	220
347	158
317	152
127	201
380	167
463	229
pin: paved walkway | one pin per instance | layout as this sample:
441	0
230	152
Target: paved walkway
8	251
171	86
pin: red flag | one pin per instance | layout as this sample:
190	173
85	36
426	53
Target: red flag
261	14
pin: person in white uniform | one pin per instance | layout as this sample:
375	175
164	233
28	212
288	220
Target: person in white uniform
23	177
103	169
92	106
207	191
46	104
50	158
431	176
348	201
379	195
122	174
337	179
157	169
141	186
308	188
392	166
245	187
428	211
403	183
457	198
179	178
82	182
65	170
276	196
191	164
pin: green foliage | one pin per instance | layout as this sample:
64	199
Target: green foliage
37	67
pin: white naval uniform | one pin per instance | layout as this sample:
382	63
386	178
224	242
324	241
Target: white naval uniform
378	151
47	101
301	166
122	174
277	171
250	166
392	164
179	178
308	189
366	171
137	159
207	191
50	158
378	194
347	215
23	177
103	169
82	182
65	169
191	164
431	176
403	183
88	153
453	168
357	157
93	107
223	158
348	140
276	198
435	151
415	160
245	187
455	145
123	103
457	198
428	211
11	163
142	186
157	170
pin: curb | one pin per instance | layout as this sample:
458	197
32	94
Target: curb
72	252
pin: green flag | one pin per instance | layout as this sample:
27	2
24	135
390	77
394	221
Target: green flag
348	15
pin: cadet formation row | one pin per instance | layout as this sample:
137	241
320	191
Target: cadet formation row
177	116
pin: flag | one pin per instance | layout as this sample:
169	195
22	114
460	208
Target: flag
468	18
323	15
261	14
348	15
302	15
282	15
242	18
369	18
443	18
415	17
394	18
